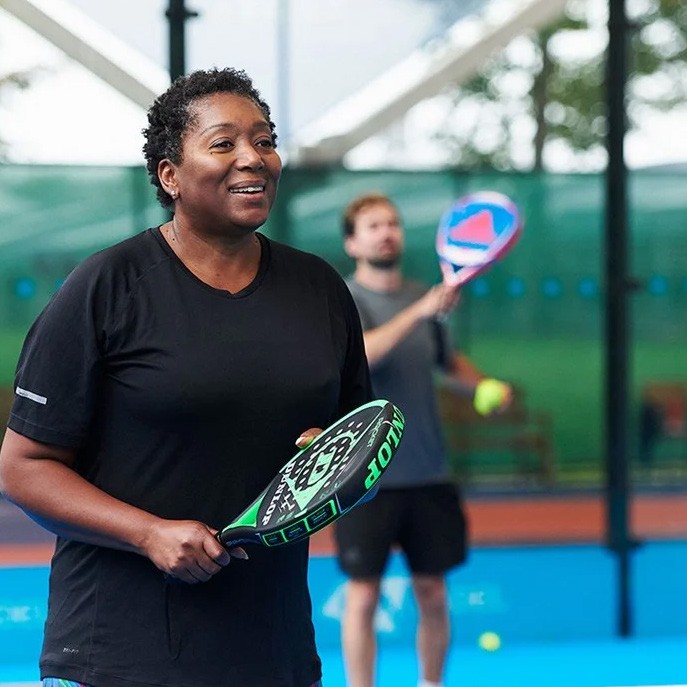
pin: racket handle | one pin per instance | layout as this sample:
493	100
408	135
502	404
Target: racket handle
237	536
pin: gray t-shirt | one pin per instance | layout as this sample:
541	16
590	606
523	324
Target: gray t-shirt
406	377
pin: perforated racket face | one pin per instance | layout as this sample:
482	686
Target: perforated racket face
325	480
319	471
477	230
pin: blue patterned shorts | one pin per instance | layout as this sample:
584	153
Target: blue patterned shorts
59	682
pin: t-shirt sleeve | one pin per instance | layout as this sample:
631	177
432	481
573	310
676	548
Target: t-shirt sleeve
356	387
59	370
443	345
366	321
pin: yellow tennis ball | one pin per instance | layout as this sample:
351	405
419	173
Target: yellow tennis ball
489	395
489	641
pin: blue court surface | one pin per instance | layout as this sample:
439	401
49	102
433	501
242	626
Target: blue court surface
567	664
553	607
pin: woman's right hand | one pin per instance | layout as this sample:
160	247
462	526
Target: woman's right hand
187	550
40	478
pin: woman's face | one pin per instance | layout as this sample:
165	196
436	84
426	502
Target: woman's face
230	168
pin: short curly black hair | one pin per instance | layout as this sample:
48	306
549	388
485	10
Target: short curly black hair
171	115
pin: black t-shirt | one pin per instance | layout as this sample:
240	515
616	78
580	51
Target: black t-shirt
185	401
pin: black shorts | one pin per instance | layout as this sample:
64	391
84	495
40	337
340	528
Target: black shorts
427	523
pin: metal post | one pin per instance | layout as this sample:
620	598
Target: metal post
177	15
616	250
283	71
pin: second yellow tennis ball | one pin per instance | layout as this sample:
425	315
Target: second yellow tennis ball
489	395
489	641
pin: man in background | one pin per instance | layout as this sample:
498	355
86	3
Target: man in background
418	507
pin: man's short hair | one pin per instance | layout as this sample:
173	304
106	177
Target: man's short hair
357	205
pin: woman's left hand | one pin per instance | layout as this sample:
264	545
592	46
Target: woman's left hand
306	438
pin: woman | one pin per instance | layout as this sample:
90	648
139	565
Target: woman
158	393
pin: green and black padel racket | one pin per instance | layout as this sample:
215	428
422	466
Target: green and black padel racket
323	481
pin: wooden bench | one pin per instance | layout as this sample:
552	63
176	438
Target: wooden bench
663	423
515	446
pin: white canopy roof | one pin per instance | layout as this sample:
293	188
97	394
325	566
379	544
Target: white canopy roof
384	100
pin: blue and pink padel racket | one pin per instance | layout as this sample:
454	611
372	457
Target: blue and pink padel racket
476	231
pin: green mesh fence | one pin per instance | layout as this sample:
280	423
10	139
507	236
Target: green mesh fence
536	318
52	217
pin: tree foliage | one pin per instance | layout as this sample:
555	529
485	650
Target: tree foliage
550	87
11	81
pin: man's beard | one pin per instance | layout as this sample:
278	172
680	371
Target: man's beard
384	263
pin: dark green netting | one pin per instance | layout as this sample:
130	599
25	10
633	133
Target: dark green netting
536	318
